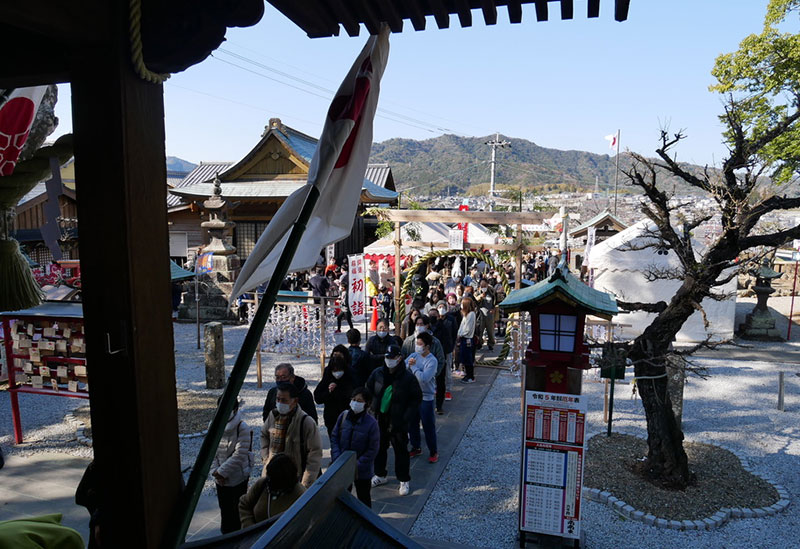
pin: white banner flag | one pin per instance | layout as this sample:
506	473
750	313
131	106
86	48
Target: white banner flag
356	289
337	171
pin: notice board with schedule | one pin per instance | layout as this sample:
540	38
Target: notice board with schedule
552	464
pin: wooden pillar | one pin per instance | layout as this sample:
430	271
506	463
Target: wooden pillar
398	241
118	122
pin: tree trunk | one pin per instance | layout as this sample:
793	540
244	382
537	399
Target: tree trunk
666	463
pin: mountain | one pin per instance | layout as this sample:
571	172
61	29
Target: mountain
450	164
175	164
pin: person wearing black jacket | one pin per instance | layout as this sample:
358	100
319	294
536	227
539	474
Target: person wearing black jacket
377	344
284	373
335	387
397	395
359	359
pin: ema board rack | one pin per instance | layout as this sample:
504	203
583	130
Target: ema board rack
45	349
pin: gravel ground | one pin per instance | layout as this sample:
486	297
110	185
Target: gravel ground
475	500
721	480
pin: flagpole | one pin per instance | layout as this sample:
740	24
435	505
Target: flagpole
182	517
616	176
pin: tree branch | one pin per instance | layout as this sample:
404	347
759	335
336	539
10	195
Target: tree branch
631	306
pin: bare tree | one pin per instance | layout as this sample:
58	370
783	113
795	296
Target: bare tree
762	99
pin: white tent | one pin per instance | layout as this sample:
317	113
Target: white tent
620	270
429	232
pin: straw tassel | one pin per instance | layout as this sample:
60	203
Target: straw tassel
18	288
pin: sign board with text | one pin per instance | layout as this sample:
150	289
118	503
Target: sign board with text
456	239
356	291
552	464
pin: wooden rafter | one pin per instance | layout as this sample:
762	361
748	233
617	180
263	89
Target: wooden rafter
541	10
391	15
464	13
489	12
515	11
345	16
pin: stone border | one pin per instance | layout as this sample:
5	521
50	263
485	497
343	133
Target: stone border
714	521
81	429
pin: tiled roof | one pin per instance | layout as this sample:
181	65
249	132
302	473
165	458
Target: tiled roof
370	192
205	171
305	145
251	189
178	273
381	175
563	282
174	178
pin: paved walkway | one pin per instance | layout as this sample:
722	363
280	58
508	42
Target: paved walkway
42	484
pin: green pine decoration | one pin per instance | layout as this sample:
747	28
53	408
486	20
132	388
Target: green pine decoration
18	288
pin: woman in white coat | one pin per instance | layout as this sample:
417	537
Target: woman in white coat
231	469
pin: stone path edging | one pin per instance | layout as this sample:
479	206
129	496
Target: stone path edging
80	432
709	523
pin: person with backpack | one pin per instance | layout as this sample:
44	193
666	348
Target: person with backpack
231	468
359	359
357	430
289	430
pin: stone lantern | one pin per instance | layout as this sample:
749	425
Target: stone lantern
760	324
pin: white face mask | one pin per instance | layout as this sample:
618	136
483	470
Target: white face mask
419	348
382	334
391	363
419	330
356	406
338	374
442	311
283	408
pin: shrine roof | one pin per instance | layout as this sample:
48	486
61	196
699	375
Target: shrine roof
596	220
572	289
370	192
205	171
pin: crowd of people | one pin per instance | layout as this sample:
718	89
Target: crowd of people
384	395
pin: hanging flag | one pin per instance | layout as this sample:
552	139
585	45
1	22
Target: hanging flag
591	235
16	119
204	263
612	140
337	171
356	296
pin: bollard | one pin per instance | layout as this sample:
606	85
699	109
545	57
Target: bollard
780	390
214	355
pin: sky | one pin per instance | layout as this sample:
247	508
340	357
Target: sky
560	84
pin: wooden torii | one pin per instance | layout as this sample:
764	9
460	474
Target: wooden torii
516	219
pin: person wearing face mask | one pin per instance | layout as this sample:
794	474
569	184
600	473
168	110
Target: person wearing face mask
422	364
423	324
271	494
333	390
377	344
289	430
358	431
231	468
407	326
396	395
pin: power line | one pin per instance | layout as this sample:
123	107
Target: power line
415	122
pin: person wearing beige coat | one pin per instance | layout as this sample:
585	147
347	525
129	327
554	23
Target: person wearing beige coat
289	430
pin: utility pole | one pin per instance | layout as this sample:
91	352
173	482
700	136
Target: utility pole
494	144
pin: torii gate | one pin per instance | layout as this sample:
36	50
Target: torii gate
516	219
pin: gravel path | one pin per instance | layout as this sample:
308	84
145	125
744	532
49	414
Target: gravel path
475	500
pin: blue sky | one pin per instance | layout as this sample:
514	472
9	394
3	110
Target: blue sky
561	84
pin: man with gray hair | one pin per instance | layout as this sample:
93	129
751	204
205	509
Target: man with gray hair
284	373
